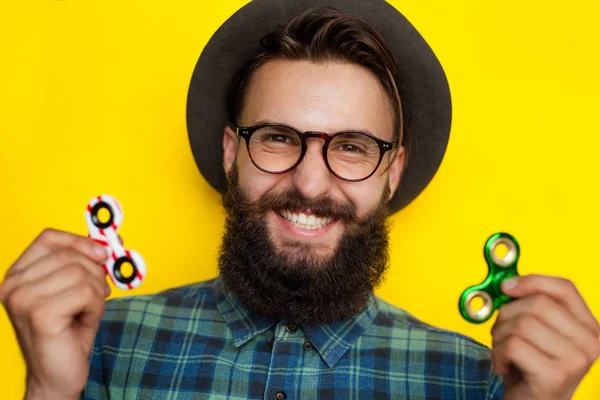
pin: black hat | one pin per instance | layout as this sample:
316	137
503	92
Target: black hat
423	85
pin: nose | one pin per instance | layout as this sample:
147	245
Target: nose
312	177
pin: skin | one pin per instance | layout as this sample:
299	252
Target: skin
544	342
319	97
57	278
548	334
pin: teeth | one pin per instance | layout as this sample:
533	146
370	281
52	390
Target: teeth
305	222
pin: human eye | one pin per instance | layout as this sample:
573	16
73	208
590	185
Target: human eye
351	148
351	144
278	138
354	146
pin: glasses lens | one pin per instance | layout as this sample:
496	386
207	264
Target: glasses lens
275	148
353	155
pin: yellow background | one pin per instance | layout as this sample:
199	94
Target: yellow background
93	97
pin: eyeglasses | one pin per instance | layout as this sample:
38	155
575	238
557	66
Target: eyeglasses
278	148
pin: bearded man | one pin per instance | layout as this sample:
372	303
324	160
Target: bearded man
316	128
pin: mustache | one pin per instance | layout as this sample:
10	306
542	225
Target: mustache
297	285
293	200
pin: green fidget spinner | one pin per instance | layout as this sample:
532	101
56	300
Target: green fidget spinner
500	269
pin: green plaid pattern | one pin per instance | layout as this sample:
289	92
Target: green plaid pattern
198	342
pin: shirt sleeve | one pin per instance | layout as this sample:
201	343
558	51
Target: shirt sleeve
495	389
96	388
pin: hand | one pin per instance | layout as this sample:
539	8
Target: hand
54	295
544	341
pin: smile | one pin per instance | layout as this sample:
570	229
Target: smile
304	221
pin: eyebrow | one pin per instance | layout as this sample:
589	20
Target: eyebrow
268	121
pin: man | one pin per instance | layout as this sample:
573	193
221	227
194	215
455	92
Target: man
314	153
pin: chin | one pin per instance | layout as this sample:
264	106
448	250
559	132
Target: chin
303	250
319	254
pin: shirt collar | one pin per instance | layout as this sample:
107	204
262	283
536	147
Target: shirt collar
243	324
332	341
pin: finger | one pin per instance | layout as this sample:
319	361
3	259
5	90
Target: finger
55	313
55	260
551	313
517	357
540	335
520	353
44	266
120	240
29	294
50	239
561	290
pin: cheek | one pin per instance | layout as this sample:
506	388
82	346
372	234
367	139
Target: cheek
254	182
364	195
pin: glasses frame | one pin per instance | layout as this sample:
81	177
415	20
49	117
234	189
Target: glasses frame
246	132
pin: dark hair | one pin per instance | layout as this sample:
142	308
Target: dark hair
321	35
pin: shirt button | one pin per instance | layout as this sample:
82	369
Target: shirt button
280	396
291	327
307	345
271	341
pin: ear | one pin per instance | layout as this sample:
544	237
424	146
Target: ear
230	145
395	170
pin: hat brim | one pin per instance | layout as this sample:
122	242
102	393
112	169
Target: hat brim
424	88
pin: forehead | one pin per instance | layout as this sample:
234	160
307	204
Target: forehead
327	96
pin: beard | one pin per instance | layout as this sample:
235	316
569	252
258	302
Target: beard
298	284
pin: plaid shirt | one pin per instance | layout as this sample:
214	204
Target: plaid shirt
198	341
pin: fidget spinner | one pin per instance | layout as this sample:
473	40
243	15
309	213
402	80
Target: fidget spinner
500	269
125	267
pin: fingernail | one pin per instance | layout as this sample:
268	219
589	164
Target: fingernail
509	284
107	290
100	251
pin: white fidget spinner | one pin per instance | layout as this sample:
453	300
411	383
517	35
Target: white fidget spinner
125	267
